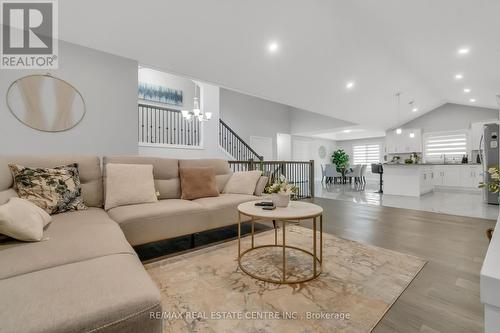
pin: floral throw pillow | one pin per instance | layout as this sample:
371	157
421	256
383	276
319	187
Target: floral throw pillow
54	190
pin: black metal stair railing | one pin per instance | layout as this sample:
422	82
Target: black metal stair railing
234	145
299	173
159	125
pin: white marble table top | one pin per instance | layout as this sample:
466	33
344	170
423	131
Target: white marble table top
295	210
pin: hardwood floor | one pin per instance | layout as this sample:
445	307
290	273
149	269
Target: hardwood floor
444	297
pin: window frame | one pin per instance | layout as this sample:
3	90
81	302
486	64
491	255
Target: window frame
434	158
365	144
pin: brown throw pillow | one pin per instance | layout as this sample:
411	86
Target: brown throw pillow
198	183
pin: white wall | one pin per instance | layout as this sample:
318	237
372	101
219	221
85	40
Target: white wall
251	116
108	84
210	132
449	117
284	146
304	122
313	145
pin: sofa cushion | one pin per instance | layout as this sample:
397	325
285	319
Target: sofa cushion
106	294
89	169
223	210
225	201
261	185
221	167
198	183
150	222
72	237
55	190
165	172
243	182
23	220
128	184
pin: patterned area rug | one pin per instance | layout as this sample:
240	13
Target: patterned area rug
205	291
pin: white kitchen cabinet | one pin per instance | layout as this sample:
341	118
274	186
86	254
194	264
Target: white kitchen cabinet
471	176
467	176
404	143
418	179
407	179
447	175
452	175
426	180
438	175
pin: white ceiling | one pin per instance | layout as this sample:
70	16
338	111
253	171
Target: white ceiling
384	46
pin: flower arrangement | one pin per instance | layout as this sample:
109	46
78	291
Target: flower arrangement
282	186
494	185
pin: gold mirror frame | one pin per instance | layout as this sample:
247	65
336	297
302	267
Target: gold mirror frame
14	113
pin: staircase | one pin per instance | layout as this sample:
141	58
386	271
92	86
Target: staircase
234	145
165	127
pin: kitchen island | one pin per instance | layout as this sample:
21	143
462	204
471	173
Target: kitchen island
418	179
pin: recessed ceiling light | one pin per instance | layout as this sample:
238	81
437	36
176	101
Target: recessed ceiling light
273	47
463	50
412	135
414	109
399	131
467	90
459	76
347	131
472	100
349	85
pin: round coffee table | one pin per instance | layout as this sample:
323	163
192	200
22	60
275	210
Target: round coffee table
295	212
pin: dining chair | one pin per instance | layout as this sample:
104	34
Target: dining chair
363	173
336	174
331	173
356	173
323	174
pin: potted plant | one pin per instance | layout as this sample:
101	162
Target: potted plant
281	191
493	186
341	160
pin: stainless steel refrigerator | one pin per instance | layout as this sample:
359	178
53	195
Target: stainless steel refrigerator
489	153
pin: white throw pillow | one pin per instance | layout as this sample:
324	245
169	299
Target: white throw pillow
23	220
242	182
261	185
129	184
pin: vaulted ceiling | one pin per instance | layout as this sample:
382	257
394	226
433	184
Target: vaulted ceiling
383	46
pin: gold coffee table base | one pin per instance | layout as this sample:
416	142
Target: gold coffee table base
316	261
318	272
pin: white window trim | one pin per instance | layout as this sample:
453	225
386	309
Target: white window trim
426	135
368	143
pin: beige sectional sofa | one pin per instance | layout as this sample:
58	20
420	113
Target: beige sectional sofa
86	277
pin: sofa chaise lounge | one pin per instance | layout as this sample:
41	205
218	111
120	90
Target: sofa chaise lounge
86	277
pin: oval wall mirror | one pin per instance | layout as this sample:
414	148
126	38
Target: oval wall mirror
45	103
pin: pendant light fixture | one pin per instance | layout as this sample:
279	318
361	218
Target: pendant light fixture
196	112
398	101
